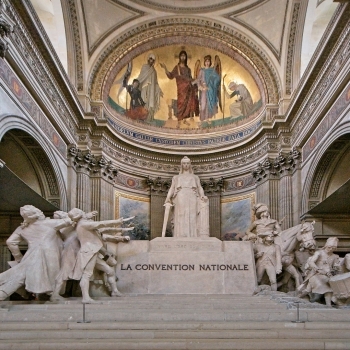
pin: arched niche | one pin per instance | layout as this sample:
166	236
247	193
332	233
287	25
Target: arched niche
49	166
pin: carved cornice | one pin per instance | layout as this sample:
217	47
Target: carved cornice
92	165
282	164
186	27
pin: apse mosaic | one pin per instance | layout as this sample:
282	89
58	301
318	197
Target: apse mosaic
236	216
185	87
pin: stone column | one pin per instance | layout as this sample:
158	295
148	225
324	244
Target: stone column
267	186
83	201
215	215
213	189
296	188
285	201
159	189
94	188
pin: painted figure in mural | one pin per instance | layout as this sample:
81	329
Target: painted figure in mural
137	105
186	195
69	253
263	224
268	259
150	90
91	250
322	265
187	102
38	268
243	104
208	81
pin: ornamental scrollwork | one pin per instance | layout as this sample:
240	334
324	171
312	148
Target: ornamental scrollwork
85	160
211	185
283	163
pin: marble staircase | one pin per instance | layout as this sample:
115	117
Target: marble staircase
165	322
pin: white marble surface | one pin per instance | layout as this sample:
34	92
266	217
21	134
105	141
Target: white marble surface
186	266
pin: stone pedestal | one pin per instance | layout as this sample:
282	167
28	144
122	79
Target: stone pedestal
186	266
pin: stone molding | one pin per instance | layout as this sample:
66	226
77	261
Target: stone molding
92	165
187	9
41	63
77	45
231	16
335	54
281	165
6	29
291	47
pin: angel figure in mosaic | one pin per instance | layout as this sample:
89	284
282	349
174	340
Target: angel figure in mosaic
208	79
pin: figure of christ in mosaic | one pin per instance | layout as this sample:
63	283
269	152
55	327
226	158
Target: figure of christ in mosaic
187	101
208	80
186	195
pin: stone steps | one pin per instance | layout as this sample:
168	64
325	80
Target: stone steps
163	322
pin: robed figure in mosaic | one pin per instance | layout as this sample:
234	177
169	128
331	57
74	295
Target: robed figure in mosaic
208	80
191	206
187	101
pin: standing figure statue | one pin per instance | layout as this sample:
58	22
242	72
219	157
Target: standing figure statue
322	266
150	90
92	253
263	224
268	259
37	269
69	253
187	102
208	81
191	214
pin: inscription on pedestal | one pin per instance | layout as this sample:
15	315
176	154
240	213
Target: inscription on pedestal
186	266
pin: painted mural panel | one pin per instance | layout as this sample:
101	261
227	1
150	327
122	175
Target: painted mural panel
129	205
186	88
236	216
